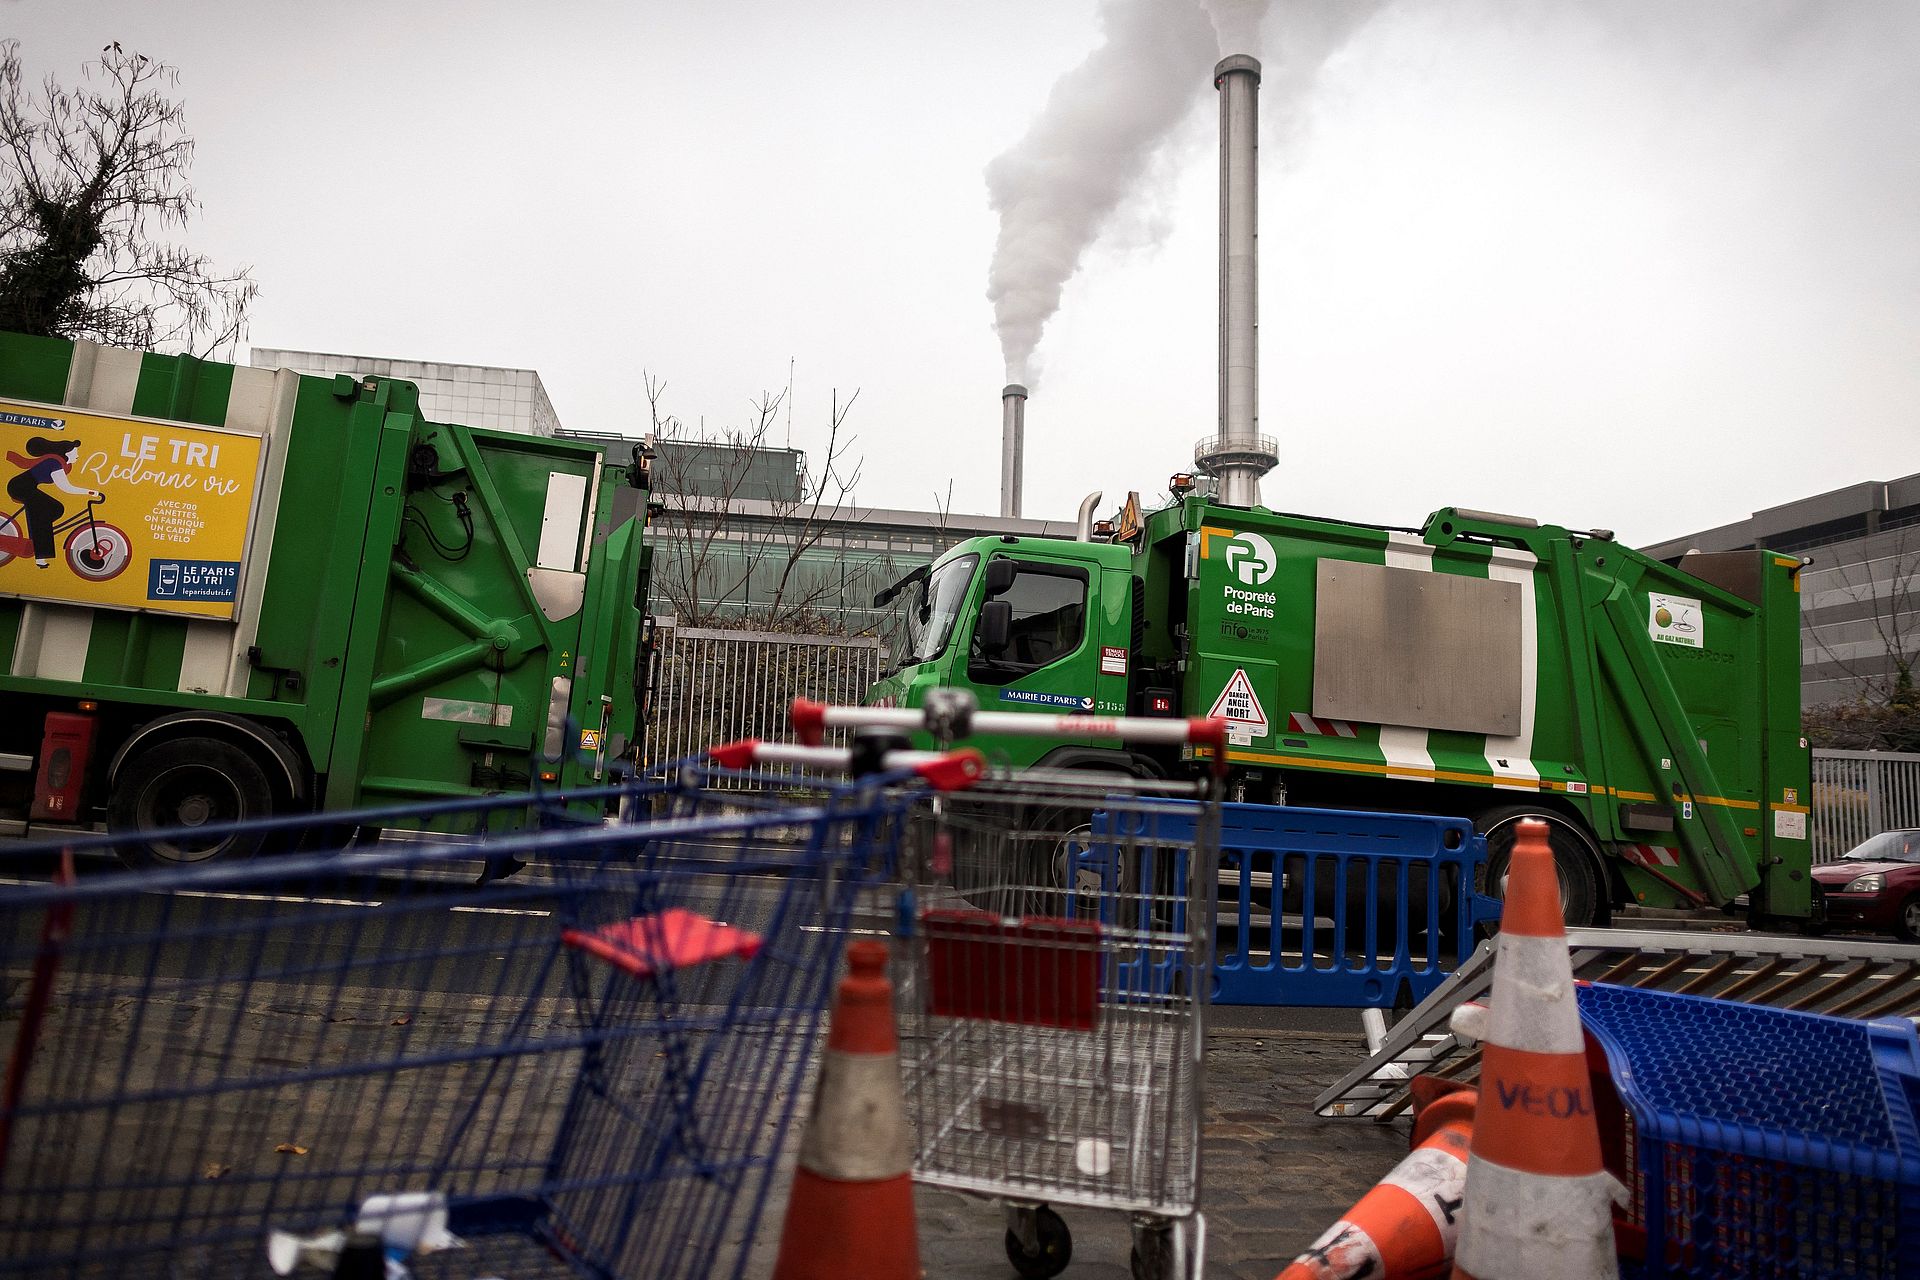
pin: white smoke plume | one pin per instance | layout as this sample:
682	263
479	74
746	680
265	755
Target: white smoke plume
1086	153
1099	142
1237	22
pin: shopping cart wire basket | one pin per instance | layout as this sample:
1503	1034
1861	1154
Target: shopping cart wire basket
1055	975
589	1071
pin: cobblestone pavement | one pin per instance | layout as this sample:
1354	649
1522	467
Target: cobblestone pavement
1274	1174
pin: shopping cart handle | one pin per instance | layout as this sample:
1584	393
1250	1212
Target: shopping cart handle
811	720
941	770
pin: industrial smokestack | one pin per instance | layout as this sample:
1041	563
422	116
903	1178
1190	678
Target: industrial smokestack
1013	447
1239	455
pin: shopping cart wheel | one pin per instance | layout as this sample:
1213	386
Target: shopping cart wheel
1038	1243
1154	1254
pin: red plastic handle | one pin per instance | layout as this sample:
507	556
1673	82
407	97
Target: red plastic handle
734	755
1208	731
809	721
954	771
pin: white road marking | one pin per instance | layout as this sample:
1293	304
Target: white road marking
265	897
299	901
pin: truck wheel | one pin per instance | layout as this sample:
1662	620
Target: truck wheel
184	783
1574	859
1061	881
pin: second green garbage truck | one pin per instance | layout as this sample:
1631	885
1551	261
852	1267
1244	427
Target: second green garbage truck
1483	666
229	593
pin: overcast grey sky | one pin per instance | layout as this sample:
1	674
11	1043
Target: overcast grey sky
1634	263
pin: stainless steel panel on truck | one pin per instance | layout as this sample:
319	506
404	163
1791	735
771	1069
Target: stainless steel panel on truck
1430	650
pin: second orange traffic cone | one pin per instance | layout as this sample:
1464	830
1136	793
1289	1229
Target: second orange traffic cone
851	1209
1539	1201
1404	1228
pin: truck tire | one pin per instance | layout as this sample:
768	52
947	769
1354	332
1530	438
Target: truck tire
1051	836
1574	858
182	783
1019	862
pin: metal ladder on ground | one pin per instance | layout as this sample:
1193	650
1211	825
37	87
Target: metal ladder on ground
1842	977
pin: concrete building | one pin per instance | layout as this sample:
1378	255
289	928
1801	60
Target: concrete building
1860	596
469	394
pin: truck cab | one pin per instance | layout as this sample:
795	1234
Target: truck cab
1025	624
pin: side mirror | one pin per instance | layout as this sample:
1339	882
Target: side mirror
999	577
995	631
640	470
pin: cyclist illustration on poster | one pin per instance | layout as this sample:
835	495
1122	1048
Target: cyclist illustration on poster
47	463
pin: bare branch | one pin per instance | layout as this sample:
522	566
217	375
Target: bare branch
1893	600
89	177
736	533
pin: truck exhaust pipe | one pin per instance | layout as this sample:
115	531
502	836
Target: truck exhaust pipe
1238	455
1013	431
1083	526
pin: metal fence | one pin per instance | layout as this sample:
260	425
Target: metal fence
714	686
1857	794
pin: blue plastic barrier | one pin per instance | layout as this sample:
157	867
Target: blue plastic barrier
1326	907
1765	1142
1148	900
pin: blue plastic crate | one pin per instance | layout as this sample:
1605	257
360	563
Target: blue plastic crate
1765	1142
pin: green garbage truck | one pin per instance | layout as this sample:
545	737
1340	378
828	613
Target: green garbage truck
1483	666
229	593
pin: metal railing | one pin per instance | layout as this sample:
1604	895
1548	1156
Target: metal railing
1857	794
713	686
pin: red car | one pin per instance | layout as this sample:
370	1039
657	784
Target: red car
1876	885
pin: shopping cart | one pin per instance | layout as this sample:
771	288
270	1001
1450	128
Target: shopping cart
1056	966
229	1070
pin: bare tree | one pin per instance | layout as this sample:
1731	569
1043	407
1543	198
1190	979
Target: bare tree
1892	597
735	538
1885	715
824	495
93	177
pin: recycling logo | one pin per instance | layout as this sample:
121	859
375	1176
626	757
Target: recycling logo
1250	558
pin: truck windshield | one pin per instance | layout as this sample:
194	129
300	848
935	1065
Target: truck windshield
930	619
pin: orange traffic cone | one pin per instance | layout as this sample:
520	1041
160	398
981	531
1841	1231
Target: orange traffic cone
1539	1200
1404	1228
851	1209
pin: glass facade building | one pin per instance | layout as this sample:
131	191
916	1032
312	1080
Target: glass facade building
1859	596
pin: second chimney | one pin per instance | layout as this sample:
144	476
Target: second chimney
1013	430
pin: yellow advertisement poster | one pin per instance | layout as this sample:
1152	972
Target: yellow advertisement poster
127	512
